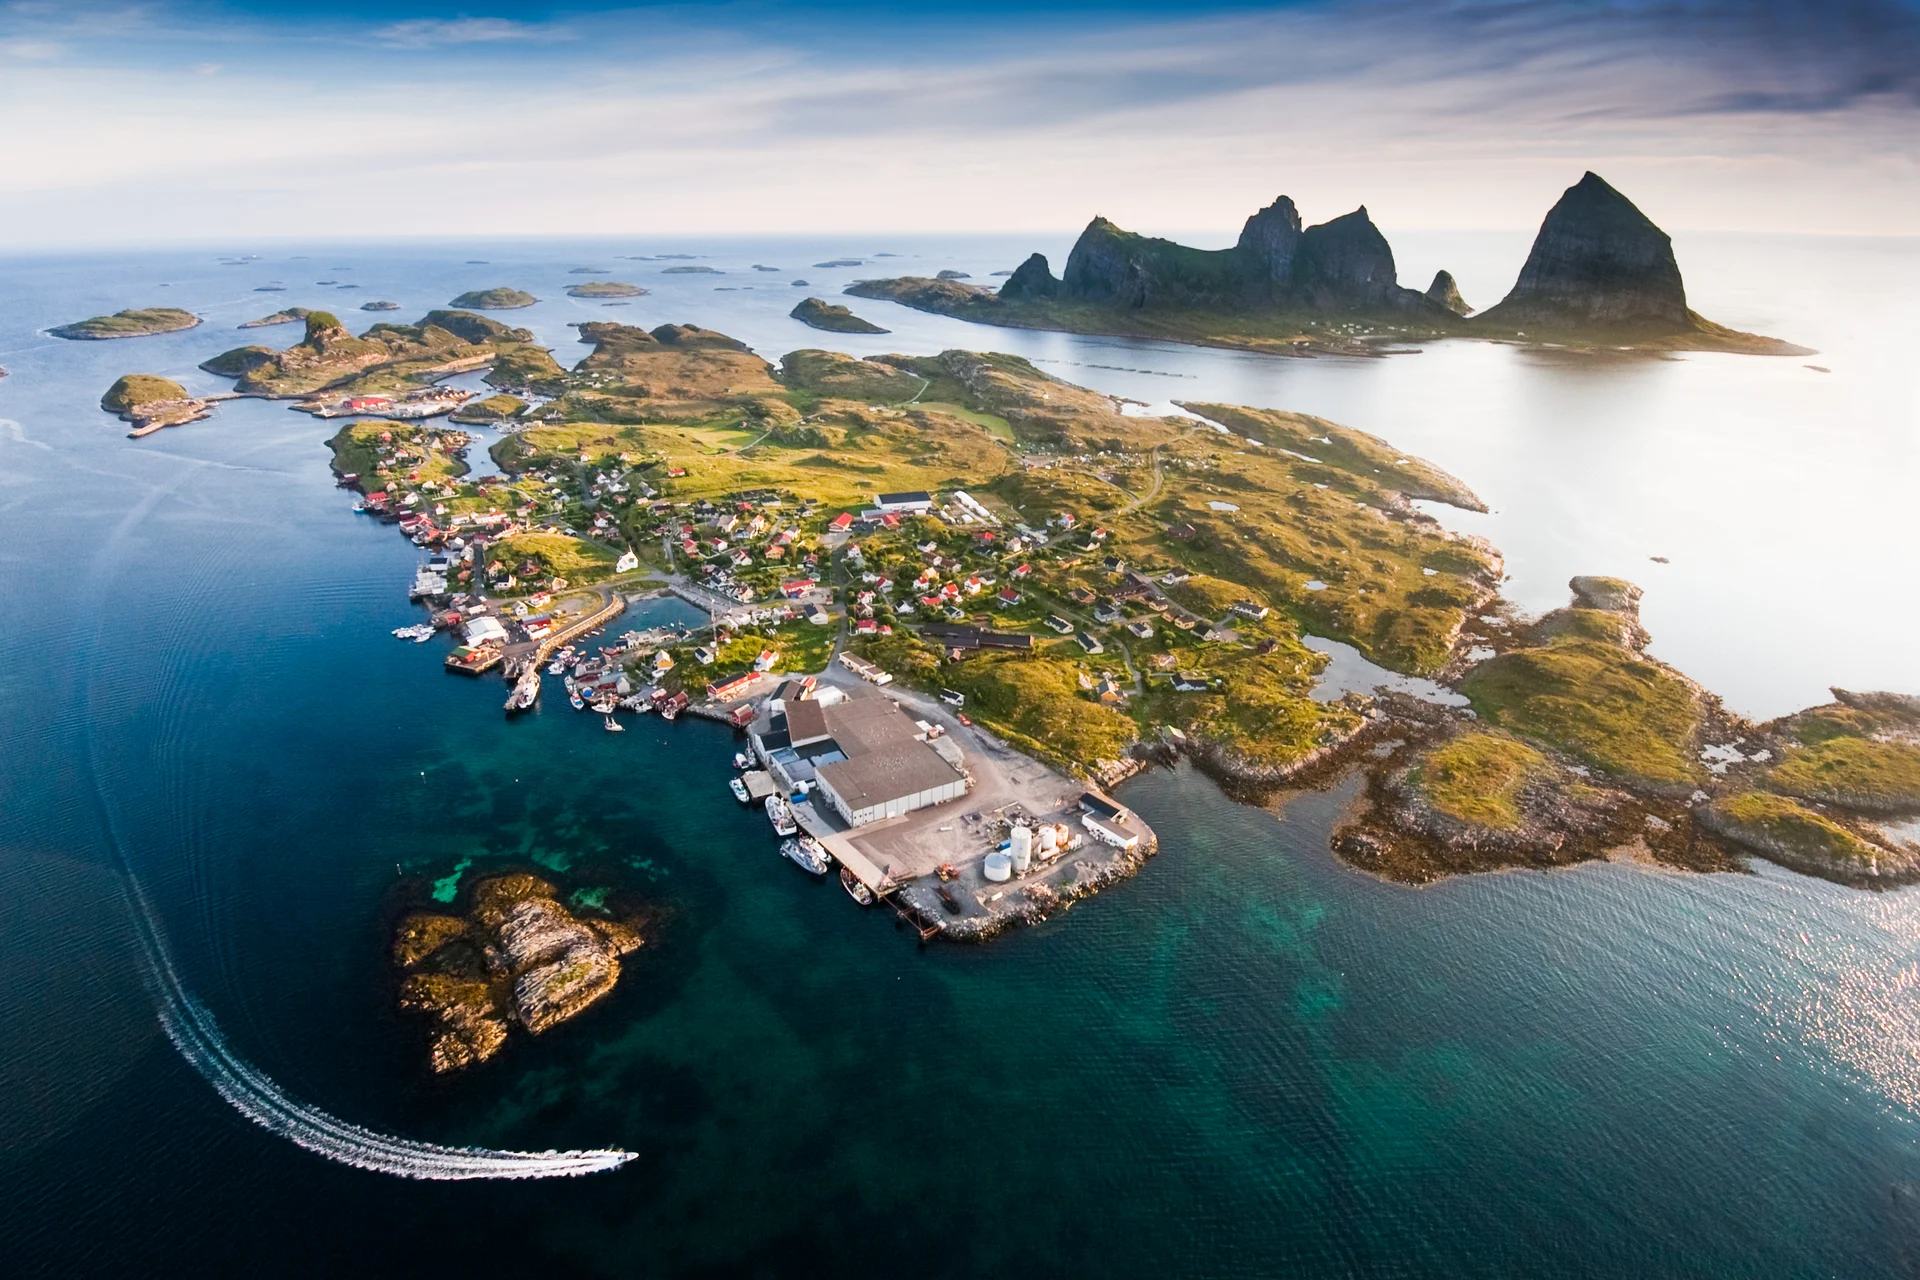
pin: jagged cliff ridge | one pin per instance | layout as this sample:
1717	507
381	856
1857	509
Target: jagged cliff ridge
1344	265
1600	274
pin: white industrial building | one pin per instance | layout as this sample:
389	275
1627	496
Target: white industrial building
860	753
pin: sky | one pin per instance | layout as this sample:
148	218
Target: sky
157	121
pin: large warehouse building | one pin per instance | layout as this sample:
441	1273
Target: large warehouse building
859	751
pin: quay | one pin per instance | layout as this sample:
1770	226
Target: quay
527	688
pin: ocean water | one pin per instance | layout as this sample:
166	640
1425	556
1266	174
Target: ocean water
1247	1061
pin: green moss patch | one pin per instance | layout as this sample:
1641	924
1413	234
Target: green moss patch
1852	771
1602	704
1477	778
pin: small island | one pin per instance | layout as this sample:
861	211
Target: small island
501	299
688	271
494	408
835	319
605	289
149	403
290	316
515	957
127	324
380	304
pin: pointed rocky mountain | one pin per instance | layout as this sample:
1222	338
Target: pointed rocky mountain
1444	291
1031	279
1597	263
1267	246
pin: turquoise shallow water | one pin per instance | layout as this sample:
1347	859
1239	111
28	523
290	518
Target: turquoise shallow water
1247	1061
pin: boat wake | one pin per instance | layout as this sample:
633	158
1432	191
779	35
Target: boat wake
250	1091
254	1095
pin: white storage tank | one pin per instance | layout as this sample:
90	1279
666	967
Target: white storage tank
998	867
1049	841
1022	849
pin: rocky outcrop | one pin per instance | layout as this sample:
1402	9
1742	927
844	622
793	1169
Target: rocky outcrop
1597	263
517	957
820	314
1347	265
1267	246
1031	280
1444	291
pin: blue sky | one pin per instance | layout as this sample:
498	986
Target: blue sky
149	119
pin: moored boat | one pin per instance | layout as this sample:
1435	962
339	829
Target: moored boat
806	852
614	726
780	814
739	790
855	890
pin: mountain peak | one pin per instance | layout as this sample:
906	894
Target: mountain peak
1597	262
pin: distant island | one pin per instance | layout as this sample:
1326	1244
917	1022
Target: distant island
128	324
688	271
1600	274
835	319
380	305
289	316
387	360
604	289
501	299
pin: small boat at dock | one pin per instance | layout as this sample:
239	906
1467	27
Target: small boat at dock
855	890
806	852
780	814
741	760
614	726
739	790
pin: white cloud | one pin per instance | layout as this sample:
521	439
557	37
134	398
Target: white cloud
1463	115
423	33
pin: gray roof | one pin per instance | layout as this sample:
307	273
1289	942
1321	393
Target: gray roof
879	776
806	721
885	757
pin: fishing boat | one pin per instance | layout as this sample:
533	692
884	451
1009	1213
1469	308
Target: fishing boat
614	726
814	859
781	816
739	790
741	760
855	890
605	704
637	702
579	703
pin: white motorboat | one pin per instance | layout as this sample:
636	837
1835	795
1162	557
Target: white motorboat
781	816
742	761
806	852
614	726
739	790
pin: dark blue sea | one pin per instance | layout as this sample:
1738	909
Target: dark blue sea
1247	1061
